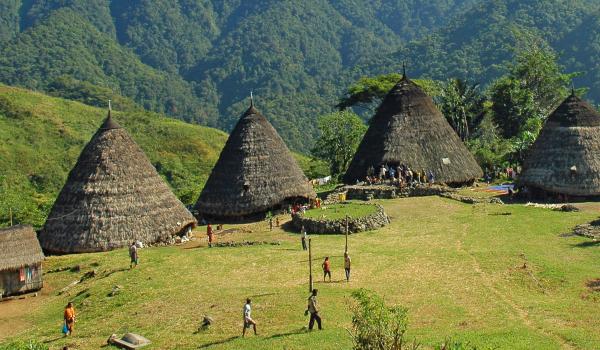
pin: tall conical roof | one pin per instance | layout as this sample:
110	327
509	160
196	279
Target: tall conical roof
408	129
255	172
112	196
564	158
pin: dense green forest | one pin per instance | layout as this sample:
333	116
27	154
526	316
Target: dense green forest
198	60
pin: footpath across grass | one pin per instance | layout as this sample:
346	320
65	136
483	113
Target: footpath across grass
497	276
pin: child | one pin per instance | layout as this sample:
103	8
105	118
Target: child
326	269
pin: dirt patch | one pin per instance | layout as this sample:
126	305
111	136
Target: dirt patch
12	321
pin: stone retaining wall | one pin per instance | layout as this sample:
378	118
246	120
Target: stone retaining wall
367	193
323	226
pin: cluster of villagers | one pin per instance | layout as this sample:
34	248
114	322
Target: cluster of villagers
256	173
401	176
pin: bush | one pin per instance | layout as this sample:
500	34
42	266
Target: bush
376	326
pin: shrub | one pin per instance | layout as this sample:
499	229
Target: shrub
376	326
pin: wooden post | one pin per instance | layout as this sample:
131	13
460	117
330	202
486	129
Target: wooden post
310	276
346	248
10	215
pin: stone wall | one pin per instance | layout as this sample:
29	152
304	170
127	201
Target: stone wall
323	226
367	193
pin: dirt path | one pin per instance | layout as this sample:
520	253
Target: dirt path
12	321
516	308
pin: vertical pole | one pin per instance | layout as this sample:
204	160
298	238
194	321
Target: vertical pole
10	215
310	276
346	248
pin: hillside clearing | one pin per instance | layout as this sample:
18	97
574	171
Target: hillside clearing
497	276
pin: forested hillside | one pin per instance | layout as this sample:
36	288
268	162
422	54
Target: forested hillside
198	60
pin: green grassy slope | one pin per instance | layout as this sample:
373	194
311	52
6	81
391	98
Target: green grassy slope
41	138
457	268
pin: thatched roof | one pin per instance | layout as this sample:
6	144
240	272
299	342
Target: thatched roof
19	247
565	157
255	172
112	196
408	129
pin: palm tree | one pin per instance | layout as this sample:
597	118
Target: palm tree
462	104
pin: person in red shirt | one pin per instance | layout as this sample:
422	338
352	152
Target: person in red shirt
326	269
210	234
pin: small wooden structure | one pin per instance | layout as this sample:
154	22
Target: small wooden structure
20	261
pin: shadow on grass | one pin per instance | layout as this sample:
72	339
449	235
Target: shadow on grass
332	281
263	295
54	339
219	342
320	258
289	228
281	335
587	244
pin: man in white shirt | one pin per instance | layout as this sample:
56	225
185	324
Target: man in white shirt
248	321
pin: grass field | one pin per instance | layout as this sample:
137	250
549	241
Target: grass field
339	211
459	269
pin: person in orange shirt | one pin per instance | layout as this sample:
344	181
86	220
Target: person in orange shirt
209	233
69	316
326	269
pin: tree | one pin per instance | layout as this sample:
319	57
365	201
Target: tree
534	86
368	92
340	134
376	326
462	104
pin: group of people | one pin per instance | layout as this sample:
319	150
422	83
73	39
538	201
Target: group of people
326	265
402	175
249	322
312	309
508	172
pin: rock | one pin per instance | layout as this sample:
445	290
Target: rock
88	275
567	208
496	200
110	339
115	290
207	321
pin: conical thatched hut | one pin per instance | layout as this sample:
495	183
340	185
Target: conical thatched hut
255	173
408	129
565	157
20	261
112	196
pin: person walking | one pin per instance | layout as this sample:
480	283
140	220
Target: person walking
326	268
248	321
270	223
313	309
347	264
210	234
69	317
133	254
304	238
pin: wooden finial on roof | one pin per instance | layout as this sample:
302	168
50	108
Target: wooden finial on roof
251	99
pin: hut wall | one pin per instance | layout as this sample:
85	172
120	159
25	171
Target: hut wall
23	280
